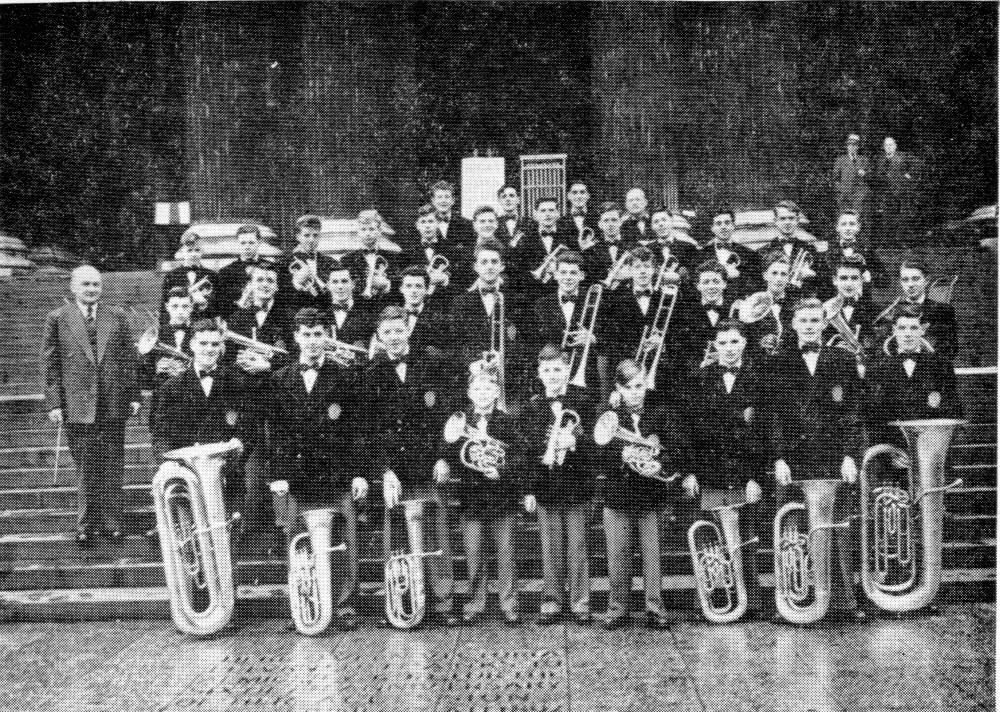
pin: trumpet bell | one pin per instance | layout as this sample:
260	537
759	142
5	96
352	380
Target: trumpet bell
605	428
455	428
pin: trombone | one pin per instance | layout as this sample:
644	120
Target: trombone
149	342
619	271
496	356
579	340
654	336
344	353
543	273
801	269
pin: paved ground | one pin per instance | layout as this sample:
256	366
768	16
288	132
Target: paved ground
942	662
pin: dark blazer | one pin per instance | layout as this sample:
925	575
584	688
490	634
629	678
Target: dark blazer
572	481
684	249
313	434
460	232
185	277
623	322
815	419
290	299
770	325
458	256
750	278
598	260
620	487
230	282
430	329
183	415
694	327
876	268
550	325
79	375
403	420
635	228
512	233
359	325
892	395
862	315
477	494
470	330
572	224
728	429
149	379
942	330
527	257
275	331
357	262
816	286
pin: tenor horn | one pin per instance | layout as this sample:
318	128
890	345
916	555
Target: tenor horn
898	572
717	557
803	537
405	592
479	452
194	536
310	592
579	341
639	453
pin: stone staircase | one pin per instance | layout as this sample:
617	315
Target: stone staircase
45	575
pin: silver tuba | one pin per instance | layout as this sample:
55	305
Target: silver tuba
717	557
405	595
310	593
194	536
802	543
890	573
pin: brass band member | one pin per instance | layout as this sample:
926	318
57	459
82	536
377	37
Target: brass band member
403	388
852	303
942	329
633	503
599	259
635	222
743	265
313	413
768	326
728	431
700	314
849	244
489	490
351	320
786	220
485	224
301	274
234	277
455	234
372	270
816	434
176	333
260	320
198	280
578	213
540	241
512	226
560	486
425	314
668	246
91	384
426	248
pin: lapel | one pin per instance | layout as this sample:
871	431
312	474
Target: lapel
78	327
104	323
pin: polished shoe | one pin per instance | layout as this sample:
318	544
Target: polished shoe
348	621
472	618
114	534
511	619
449	619
616	623
655	620
549	618
859	615
582	618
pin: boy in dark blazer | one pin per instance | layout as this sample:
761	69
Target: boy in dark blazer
743	265
301	274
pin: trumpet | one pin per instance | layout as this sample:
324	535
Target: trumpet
304	277
802	543
543	273
579	340
565	424
149	342
310	594
347	354
717	557
619	271
202	287
194	536
259	347
891	575
639	453
405	597
801	268
654	336
376	271
586	238
479	452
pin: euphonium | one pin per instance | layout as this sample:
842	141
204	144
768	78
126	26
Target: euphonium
890	573
579	341
654	336
639	453
802	544
717	558
543	273
565	423
479	452
405	595
194	536
310	592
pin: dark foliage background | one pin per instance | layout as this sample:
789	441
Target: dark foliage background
268	110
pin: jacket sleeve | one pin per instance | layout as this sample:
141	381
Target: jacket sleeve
51	365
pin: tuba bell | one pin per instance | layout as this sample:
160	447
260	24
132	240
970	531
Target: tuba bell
194	536
310	592
803	537
405	594
891	575
717	558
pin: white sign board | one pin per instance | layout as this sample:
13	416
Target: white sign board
173	214
481	179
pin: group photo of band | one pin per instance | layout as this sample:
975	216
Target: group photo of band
596	365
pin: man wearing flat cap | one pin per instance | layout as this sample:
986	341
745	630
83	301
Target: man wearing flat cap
851	175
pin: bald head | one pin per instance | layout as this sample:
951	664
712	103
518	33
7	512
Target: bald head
85	284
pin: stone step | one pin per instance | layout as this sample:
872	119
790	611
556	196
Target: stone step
65	496
15	461
40	477
45	437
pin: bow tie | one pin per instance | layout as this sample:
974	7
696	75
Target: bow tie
339	307
303	367
909	353
443	218
811	347
568	298
850	301
413	312
428	243
577	211
731	369
489	290
643	292
547	233
207	373
264	307
401	359
712	305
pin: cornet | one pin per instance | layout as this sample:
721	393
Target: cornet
405	595
639	453
310	593
543	273
376	271
803	536
565	424
149	342
194	536
346	354
619	271
891	575
304	277
717	557
579	340
801	269
479	452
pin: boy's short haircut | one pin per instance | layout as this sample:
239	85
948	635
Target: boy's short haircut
775	256
190	238
569	257
265	266
489	245
807	303
205	325
481	210
310	221
369	217
854	261
729	325
546	199
176	292
787	205
609	206
712	265
426	209
442	185
393	311
723	210
911	262
309	317
506	187
248	230
909	311
415	271
848	211
627	370
551	352
642	254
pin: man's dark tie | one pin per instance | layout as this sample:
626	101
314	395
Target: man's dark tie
488	290
547	233
850	301
443	218
207	373
811	347
339	308
568	298
712	305
303	367
644	293
731	369
577	211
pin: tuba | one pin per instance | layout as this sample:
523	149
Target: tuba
717	557
479	452
654	336
579	352
639	453
802	544
405	597
194	536
890	573
309	588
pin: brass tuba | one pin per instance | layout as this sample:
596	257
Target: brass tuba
194	536
310	593
717	558
405	595
579	341
802	543
890	573
479	452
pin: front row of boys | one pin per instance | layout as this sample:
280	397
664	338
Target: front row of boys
333	430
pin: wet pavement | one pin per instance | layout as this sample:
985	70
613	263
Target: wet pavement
933	662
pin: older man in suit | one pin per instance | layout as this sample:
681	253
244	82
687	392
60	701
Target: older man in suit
90	368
